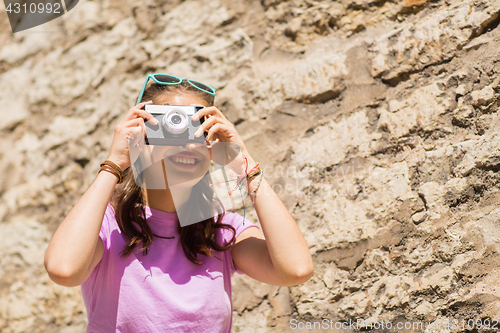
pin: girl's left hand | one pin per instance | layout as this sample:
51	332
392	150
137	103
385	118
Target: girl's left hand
218	128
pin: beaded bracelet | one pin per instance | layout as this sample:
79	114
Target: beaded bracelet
254	193
113	168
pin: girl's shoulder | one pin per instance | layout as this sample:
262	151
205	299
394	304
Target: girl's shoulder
234	219
108	225
238	222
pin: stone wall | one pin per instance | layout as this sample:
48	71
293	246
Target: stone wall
375	121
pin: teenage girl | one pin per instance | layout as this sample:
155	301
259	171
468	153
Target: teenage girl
140	271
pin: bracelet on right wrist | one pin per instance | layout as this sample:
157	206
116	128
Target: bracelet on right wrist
113	168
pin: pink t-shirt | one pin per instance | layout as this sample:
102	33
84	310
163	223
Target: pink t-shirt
162	291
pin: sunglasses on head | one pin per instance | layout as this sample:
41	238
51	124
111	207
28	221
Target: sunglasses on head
173	80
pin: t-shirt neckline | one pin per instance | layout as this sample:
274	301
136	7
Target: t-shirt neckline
159	215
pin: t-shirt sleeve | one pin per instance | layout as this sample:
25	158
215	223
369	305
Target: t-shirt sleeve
239	224
104	235
105	232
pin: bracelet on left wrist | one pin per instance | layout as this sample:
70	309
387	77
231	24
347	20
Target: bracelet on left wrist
254	172
254	192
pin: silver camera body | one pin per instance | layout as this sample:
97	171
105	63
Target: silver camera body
175	126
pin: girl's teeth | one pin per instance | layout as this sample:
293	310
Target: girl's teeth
184	160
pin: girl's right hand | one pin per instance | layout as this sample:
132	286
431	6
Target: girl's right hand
131	125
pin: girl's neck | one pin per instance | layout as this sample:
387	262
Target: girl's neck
169	200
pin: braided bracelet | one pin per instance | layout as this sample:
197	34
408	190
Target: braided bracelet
254	172
113	168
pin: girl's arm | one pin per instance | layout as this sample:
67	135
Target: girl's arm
280	254
75	249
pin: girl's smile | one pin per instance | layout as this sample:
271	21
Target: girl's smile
185	160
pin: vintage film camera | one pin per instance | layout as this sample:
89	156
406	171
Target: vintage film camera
175	126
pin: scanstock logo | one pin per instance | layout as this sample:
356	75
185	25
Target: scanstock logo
26	14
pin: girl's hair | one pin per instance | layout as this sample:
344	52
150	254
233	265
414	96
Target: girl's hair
129	200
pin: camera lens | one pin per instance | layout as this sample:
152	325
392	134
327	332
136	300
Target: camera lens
175	121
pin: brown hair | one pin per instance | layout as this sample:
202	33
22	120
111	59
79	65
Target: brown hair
129	201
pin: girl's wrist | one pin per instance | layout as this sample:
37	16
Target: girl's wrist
109	176
250	163
117	161
254	175
111	167
253	186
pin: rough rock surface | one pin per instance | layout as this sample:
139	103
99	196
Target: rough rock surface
376	122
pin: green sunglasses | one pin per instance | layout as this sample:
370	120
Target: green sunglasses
172	80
